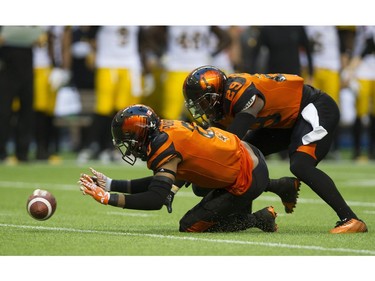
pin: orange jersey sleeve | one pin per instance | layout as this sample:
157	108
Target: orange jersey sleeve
211	158
282	94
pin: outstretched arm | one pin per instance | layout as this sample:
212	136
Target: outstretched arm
152	199
122	186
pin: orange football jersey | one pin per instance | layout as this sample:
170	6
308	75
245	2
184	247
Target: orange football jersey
282	94
211	158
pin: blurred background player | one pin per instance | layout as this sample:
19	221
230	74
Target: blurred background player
223	59
361	71
17	84
51	72
348	91
181	48
82	70
325	47
251	58
83	63
285	46
119	61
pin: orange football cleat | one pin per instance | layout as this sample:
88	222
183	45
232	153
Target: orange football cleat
349	226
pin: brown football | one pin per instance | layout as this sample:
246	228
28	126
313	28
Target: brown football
41	205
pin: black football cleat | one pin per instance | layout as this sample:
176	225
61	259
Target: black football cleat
265	219
287	189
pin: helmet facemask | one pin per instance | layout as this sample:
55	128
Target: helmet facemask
131	150
205	109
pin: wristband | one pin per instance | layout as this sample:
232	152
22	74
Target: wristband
113	199
108	183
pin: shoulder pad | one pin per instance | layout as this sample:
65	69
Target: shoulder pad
158	141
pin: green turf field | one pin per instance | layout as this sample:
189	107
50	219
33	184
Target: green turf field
85	240
80	224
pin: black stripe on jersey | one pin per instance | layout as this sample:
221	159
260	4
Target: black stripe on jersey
156	144
241	104
170	153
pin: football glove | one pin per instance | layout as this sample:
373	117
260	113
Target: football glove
88	186
101	180
168	201
170	197
187	184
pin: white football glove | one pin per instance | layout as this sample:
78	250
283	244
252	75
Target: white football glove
101	180
58	78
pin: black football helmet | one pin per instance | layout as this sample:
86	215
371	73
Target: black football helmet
203	91
132	129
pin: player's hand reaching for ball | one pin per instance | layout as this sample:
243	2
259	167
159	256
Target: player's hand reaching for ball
101	180
88	186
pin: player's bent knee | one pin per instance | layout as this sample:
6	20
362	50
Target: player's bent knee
185	223
301	165
189	223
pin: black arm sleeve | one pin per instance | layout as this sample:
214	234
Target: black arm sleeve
154	198
131	186
241	124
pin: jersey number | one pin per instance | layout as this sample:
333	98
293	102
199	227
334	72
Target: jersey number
206	133
266	121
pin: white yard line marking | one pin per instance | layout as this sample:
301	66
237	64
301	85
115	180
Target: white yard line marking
225	241
31	185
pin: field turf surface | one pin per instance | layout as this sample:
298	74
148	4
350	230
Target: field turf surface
81	230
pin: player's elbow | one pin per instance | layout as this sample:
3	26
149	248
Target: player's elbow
145	201
156	205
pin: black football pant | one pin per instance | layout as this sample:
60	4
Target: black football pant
303	166
222	211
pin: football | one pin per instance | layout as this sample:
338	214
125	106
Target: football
41	204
